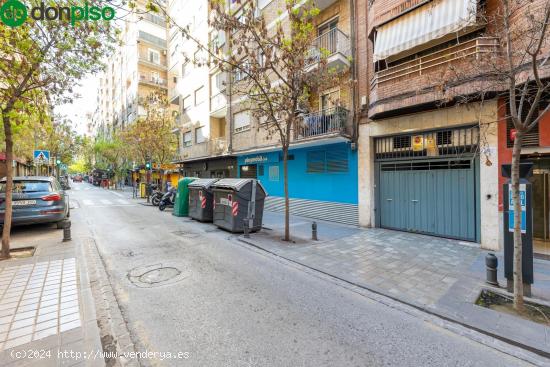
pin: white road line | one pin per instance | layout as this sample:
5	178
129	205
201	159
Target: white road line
106	202
123	202
87	202
117	194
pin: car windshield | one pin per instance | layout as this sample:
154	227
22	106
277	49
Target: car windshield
27	186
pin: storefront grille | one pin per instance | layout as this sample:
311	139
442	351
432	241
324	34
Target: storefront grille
455	142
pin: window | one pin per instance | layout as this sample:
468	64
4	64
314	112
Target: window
199	96
401	142
327	161
240	73
329	99
241	121
187	137
186	103
219	81
154	56
155	76
273	173
199	135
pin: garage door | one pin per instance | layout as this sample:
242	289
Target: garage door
435	197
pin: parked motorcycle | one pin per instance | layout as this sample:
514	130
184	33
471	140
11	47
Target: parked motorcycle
156	197
168	199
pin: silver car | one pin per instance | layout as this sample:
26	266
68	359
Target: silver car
36	199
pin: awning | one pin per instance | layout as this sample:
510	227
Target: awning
426	23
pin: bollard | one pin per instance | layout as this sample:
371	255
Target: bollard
314	231
246	229
66	231
491	262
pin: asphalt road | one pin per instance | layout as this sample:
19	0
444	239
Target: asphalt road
226	304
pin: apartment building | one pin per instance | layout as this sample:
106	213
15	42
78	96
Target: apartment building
198	91
135	70
322	167
426	163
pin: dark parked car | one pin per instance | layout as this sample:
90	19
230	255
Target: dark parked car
77	178
36	199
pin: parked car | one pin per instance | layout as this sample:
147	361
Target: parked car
77	178
36	199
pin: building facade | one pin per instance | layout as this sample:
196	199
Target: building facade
198	91
430	149
136	70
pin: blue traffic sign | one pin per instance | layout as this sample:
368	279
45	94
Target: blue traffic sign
42	155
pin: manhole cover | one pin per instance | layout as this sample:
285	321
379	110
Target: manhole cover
159	275
155	275
186	234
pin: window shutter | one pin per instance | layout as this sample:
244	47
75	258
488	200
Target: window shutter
337	160
316	161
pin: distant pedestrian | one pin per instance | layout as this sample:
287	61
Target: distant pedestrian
136	187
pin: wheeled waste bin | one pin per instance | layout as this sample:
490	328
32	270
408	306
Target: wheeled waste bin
181	206
237	200
201	199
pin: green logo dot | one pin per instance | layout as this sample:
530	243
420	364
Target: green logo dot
13	13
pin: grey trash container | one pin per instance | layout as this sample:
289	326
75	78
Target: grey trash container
234	199
201	199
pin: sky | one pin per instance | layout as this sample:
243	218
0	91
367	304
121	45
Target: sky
86	102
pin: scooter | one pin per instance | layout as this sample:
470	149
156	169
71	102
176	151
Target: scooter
168	199
156	196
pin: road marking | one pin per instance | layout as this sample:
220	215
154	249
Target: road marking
106	202
117	194
123	202
87	202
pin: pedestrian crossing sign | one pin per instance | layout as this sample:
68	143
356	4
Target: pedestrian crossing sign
41	156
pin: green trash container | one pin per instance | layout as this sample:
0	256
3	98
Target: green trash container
181	206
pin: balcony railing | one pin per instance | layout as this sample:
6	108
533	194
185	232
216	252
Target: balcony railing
146	59
422	65
326	122
208	148
218	102
331	43
143	78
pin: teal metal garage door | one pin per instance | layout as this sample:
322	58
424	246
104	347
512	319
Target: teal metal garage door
436	197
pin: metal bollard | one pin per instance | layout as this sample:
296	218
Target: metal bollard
67	231
491	262
314	231
246	229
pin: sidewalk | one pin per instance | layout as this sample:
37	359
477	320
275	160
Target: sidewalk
440	276
46	307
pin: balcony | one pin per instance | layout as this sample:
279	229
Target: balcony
335	47
453	63
331	121
159	64
174	95
209	148
152	81
218	105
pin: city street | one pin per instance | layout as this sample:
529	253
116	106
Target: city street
223	303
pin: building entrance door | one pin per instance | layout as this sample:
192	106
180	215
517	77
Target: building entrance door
541	208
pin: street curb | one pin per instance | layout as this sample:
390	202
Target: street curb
90	326
115	335
431	312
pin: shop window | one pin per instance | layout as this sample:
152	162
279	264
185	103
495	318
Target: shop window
261	170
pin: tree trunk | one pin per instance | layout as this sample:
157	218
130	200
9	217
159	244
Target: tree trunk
287	203
518	272
6	230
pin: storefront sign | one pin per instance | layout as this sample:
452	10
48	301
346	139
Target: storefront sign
431	147
522	199
418	143
256	159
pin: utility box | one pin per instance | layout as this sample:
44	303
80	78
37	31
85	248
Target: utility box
201	199
526	226
181	206
237	200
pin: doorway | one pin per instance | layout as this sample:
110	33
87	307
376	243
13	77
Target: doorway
541	207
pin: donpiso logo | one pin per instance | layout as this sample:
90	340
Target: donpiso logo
14	13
